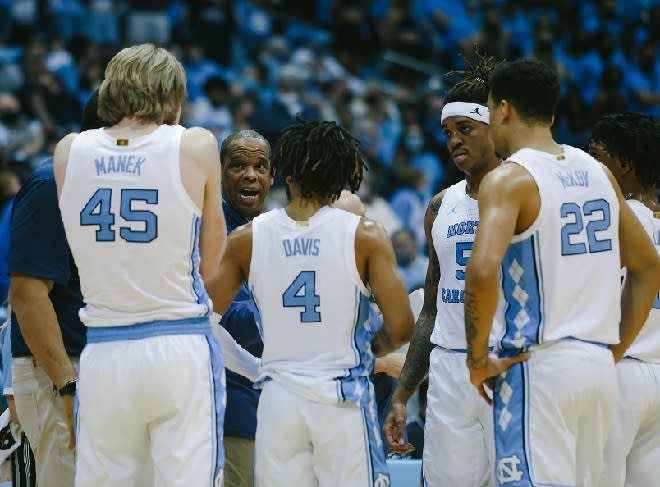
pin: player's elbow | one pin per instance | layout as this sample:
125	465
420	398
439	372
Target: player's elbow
404	331
478	277
648	272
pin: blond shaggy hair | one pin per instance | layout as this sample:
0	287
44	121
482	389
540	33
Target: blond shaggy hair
143	82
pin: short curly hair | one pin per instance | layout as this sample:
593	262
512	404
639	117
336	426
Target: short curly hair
633	139
530	85
321	157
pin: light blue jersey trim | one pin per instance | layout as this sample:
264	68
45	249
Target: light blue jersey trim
354	386
218	392
189	326
511	423
522	288
376	466
199	291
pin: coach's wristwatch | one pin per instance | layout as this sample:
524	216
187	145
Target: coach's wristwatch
68	389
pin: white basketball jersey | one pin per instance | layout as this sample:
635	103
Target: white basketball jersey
133	229
313	305
453	235
561	277
646	346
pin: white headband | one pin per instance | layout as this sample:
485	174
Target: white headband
461	109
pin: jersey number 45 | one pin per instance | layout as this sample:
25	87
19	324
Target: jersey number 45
98	212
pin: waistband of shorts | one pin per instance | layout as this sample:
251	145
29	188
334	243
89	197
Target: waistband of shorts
187	326
24	359
541	346
457	350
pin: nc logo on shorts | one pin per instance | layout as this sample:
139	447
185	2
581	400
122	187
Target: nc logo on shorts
507	469
382	481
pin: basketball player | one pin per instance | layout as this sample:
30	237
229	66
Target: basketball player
140	203
310	267
627	144
458	423
554	231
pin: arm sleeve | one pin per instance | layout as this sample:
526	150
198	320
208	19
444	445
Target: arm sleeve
38	242
237	359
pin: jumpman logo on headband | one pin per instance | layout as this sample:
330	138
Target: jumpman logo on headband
476	110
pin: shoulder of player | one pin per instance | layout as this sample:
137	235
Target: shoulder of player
199	147
240	235
370	232
63	147
198	141
506	179
197	135
612	179
433	208
436	202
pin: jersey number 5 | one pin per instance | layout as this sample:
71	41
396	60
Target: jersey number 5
301	293
576	227
98	212
461	258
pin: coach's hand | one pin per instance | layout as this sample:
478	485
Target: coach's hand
70	419
395	427
484	371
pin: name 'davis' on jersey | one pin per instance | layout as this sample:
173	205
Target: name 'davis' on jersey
301	246
467	227
568	179
119	164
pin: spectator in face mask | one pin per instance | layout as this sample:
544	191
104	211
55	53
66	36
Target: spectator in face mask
411	266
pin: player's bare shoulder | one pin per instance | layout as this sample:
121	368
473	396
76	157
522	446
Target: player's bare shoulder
199	147
509	176
61	158
434	205
369	231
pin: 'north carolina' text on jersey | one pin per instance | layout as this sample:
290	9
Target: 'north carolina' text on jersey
561	276
313	305
127	213
453	232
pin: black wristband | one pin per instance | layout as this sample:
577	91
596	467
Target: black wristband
68	389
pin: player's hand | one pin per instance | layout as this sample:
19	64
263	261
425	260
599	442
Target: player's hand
617	352
395	427
69	418
391	364
484	371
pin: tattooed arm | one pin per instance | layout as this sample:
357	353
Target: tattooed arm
502	194
416	366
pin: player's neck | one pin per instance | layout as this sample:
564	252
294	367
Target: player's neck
646	196
302	209
132	127
537	137
473	179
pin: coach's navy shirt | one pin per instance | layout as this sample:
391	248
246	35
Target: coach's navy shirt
39	249
239	321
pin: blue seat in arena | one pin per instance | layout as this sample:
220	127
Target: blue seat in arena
405	473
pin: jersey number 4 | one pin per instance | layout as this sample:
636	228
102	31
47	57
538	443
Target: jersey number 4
301	293
98	212
576	228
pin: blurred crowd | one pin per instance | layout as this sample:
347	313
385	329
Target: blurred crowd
379	67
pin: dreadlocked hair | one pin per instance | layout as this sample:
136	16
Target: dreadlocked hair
633	139
321	157
473	88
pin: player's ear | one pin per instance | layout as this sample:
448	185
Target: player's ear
273	171
505	110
